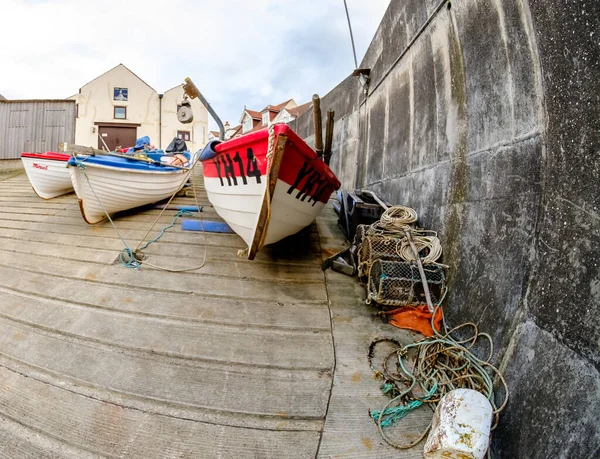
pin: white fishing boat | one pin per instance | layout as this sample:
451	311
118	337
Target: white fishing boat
266	185
48	173
106	184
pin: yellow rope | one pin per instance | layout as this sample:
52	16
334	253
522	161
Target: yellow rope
141	260
270	154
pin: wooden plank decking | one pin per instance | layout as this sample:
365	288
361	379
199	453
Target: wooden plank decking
234	360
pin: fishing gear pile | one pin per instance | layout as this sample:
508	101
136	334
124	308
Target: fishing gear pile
399	263
387	263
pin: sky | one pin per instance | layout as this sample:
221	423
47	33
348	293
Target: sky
238	52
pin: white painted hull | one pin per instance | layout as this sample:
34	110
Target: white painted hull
240	207
49	178
266	185
112	189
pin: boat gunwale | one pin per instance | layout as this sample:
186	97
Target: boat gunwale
171	170
292	137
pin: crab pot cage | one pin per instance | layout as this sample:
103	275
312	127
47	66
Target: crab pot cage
377	247
398	283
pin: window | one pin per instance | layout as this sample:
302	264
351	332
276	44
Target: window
247	123
265	118
76	110
121	94
120	113
183	135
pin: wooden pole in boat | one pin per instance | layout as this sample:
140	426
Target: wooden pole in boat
328	136
103	142
318	125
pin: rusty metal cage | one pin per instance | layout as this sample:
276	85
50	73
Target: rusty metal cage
398	283
374	245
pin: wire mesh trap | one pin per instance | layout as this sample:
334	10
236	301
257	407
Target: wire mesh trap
398	283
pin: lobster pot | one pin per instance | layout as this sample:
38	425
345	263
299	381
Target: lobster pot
377	247
398	283
361	232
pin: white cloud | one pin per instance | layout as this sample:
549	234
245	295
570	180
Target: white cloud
238	52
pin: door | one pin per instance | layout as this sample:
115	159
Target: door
116	137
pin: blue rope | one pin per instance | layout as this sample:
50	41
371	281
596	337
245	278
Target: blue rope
393	414
180	213
131	262
128	257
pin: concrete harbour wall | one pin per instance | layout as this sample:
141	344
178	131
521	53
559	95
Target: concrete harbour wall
484	115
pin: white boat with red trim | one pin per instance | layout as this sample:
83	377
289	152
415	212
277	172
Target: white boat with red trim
266	185
48	173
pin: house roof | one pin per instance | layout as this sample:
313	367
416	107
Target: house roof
116	66
174	87
2	97
278	107
257	116
299	110
18	101
253	113
237	130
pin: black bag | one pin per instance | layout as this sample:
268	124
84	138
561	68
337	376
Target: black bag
177	145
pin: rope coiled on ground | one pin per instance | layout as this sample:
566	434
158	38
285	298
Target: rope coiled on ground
441	362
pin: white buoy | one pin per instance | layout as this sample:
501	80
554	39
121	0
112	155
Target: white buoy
461	426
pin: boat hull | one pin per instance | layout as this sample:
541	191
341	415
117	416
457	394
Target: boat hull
47	173
103	190
266	199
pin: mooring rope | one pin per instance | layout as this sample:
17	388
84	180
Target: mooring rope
203	233
441	361
270	155
135	258
82	167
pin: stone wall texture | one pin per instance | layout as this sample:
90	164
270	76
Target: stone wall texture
484	116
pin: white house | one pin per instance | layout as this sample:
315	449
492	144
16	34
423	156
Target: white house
284	112
118	107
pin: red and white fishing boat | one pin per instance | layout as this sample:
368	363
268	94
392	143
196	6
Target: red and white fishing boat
48	173
266	185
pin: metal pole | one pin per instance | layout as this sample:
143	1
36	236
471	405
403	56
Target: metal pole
193	92
351	36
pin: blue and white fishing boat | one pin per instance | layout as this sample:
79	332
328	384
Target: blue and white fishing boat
109	183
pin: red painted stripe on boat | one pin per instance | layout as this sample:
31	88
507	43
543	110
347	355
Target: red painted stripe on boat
239	161
50	155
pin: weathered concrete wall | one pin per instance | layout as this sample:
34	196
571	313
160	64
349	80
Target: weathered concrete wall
484	116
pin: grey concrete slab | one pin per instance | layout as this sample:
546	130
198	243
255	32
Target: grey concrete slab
349	431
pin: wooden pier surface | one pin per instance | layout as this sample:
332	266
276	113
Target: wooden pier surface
264	358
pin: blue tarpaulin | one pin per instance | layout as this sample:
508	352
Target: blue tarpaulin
140	144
